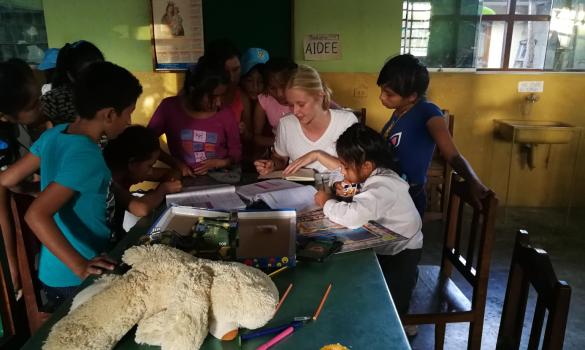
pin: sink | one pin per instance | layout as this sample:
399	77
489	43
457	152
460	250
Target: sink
533	131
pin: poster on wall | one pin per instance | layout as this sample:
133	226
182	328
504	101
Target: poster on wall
322	47
177	33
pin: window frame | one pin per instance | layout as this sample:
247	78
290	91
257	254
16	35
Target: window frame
510	18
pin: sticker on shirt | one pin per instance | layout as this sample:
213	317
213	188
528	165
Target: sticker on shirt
199	136
395	139
211	137
198	147
186	134
200	156
209	147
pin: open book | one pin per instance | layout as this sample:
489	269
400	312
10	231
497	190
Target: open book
315	224
303	174
210	197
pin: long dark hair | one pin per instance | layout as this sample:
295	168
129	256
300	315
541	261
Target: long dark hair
16	79
201	80
278	65
360	143
72	59
136	144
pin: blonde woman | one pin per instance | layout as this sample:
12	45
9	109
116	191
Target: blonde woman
307	136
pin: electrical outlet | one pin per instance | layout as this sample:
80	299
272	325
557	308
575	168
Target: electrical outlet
530	86
360	92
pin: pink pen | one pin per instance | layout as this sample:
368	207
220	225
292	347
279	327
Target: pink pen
276	339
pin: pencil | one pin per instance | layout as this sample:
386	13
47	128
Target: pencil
283	297
273	273
276	339
318	311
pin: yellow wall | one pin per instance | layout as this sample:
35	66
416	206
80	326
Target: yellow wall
476	100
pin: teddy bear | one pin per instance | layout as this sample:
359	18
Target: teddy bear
173	297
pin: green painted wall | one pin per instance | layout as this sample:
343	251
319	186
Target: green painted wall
369	31
120	28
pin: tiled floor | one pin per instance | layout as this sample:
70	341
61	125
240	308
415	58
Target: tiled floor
549	229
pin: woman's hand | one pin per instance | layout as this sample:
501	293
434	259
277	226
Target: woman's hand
209	164
321	197
264	166
96	266
301	162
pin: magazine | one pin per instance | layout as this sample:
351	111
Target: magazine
315	224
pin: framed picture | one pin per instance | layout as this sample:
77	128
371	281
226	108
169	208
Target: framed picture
177	33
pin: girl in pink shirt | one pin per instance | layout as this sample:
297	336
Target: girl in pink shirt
272	104
201	135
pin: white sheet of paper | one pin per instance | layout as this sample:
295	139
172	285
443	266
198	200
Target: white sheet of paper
251	192
299	198
216	197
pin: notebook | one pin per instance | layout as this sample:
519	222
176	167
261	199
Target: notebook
300	175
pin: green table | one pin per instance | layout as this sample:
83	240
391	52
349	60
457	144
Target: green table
359	312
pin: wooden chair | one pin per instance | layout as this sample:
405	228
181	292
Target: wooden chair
437	299
7	301
360	113
438	180
532	267
28	248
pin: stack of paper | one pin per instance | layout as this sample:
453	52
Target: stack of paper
209	197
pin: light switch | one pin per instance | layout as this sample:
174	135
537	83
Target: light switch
531	86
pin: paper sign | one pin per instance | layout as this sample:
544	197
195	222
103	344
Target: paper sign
320	47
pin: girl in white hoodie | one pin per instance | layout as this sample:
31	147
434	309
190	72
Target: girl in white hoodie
366	158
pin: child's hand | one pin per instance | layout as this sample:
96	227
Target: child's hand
209	164
171	175
184	169
264	166
96	266
172	186
478	192
300	162
339	190
321	197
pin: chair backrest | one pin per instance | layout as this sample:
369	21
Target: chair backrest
28	248
532	267
469	251
360	113
7	301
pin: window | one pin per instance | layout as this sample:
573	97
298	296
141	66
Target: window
500	34
22	31
416	19
514	34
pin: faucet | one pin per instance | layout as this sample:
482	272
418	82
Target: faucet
529	100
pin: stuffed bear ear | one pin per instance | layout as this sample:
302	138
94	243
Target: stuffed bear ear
135	255
241	294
